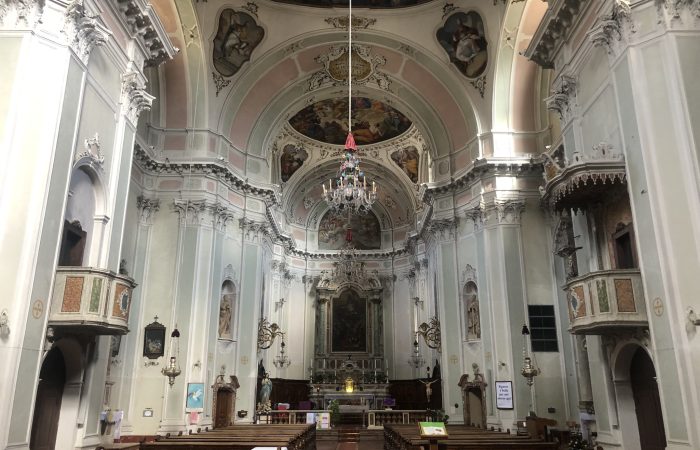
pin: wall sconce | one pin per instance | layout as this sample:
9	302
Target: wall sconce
431	333
418	302
267	332
279	304
4	324
693	320
197	365
416	360
173	368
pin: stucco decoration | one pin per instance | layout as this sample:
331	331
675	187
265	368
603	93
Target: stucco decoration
333	228
355	3
365	68
237	36
464	39
292	159
372	121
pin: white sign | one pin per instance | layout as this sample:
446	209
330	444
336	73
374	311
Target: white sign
504	394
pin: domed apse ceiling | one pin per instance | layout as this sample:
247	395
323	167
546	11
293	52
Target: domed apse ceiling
372	121
355	3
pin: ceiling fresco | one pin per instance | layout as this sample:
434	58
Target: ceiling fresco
236	37
372	121
355	3
463	38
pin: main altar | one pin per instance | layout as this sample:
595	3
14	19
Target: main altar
348	364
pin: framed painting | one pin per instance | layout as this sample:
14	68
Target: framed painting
464	39
195	397
154	340
349	326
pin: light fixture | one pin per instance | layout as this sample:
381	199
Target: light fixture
281	361
267	332
350	191
529	370
431	333
416	360
173	368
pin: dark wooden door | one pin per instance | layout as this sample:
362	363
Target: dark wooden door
646	402
47	408
224	406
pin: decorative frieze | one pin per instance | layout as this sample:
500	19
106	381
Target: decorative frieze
83	31
563	97
147	209
357	22
134	99
21	13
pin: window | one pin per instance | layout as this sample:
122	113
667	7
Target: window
624	247
72	245
543	328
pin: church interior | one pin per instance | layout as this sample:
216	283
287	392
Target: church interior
226	215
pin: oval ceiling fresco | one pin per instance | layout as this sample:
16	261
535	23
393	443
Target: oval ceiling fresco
372	121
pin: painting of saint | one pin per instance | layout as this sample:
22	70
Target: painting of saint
237	36
407	159
372	121
332	231
463	38
349	329
291	160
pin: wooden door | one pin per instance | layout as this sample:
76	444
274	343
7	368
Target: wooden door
646	402
47	408
224	408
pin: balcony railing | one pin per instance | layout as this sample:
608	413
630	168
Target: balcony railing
602	302
91	300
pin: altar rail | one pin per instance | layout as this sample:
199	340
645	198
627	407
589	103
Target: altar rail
370	418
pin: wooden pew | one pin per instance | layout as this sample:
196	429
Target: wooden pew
407	437
241	437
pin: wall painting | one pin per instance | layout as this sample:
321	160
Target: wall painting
463	38
237	36
372	121
365	231
407	159
291	160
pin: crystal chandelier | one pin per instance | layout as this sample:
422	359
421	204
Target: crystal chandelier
350	191
282	360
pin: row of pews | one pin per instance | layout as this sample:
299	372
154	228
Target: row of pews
461	437
241	437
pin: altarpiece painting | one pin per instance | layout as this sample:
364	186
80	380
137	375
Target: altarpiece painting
349	323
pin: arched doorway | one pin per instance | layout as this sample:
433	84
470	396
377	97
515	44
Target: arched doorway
47	407
224	403
646	402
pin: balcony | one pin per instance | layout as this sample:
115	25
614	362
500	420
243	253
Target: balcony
588	178
89	300
606	301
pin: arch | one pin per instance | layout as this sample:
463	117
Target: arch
227	308
625	357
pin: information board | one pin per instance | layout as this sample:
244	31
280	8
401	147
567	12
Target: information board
504	394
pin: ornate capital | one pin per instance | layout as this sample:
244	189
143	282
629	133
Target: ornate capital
21	13
221	216
613	28
83	31
677	10
252	230
443	228
135	99
147	209
563	97
509	211
191	212
475	214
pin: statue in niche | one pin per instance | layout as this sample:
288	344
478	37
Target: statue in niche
225	317
471	301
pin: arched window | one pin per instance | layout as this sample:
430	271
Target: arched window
226	310
472	319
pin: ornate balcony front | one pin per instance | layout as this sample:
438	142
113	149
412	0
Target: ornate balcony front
605	301
587	178
89	300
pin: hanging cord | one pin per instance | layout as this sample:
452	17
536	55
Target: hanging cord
350	69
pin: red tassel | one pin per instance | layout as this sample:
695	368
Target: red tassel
350	142
348	235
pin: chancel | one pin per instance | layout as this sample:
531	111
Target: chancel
314	224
